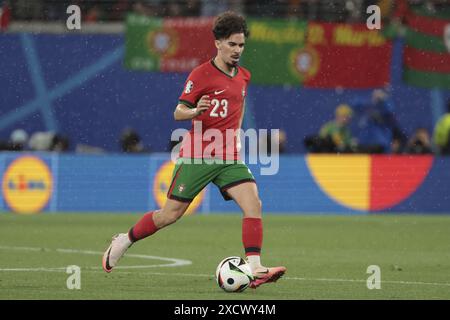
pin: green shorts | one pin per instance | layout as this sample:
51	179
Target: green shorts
189	179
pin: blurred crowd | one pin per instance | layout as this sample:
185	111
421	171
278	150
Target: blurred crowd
115	10
367	127
19	140
129	141
372	127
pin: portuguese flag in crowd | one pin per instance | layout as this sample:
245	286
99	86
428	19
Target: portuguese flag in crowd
427	49
317	55
278	52
168	45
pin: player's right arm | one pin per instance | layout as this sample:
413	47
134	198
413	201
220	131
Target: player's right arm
194	100
184	112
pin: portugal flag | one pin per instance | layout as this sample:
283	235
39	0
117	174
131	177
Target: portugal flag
317	55
427	50
169	44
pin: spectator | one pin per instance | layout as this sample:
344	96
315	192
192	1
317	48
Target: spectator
193	8
3	145
174	9
119	9
420	143
130	141
5	15
377	126
48	141
59	143
149	7
29	10
94	14
282	141
271	139
441	136
212	8
265	8
396	147
175	144
41	141
18	140
338	132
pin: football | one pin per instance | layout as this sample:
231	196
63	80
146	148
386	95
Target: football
233	274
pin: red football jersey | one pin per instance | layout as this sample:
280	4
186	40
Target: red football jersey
227	94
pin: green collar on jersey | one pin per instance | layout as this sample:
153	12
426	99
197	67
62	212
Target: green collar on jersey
236	69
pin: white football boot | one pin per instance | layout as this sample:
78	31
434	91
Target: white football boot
120	243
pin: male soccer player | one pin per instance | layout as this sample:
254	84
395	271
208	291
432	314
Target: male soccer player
213	96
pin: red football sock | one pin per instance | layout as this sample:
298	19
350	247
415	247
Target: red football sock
252	235
143	228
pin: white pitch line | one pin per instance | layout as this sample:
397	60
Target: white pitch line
382	281
172	262
62	269
21	248
294	278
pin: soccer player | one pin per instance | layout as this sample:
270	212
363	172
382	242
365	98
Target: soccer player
213	96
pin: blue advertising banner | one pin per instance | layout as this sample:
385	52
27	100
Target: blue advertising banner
319	184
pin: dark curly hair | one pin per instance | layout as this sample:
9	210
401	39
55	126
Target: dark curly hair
229	23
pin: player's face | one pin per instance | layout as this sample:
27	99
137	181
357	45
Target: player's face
230	50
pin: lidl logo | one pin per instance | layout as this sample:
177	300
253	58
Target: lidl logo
161	185
27	185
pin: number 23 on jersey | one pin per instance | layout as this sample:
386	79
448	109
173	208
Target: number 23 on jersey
220	108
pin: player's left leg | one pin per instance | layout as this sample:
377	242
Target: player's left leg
242	188
150	223
187	181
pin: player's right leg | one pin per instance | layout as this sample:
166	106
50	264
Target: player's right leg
246	196
146	226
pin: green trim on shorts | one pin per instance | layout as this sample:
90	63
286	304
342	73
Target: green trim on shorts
190	178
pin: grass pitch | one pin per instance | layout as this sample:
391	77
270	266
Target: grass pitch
327	257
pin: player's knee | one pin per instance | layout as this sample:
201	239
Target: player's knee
175	215
254	210
258	205
167	220
170	216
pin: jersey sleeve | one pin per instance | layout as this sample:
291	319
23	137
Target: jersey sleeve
193	90
246	76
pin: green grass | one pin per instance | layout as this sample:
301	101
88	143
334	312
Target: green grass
326	256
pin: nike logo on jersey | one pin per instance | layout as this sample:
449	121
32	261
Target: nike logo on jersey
219	92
